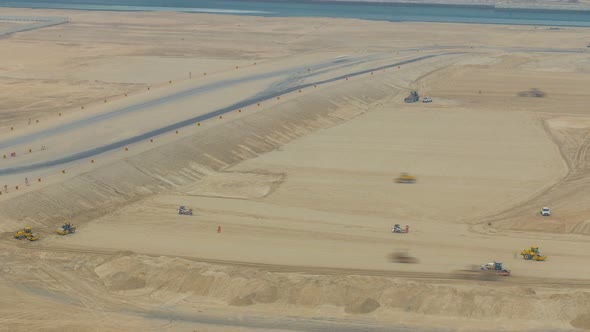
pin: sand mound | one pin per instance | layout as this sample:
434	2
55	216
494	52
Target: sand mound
124	281
581	322
161	277
241	301
364	306
236	185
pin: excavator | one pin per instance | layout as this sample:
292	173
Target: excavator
67	228
26	233
533	254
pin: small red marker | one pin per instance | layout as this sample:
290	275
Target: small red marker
219	229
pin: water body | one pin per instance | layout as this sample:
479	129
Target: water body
365	11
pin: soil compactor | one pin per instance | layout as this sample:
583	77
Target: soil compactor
496	267
26	233
67	228
533	253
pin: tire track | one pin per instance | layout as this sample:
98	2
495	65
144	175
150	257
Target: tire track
334	271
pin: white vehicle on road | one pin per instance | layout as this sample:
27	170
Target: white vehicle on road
545	212
427	100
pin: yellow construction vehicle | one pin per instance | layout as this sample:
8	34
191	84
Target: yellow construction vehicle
67	228
405	178
533	254
26	233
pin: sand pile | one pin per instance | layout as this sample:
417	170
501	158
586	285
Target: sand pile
162	277
244	185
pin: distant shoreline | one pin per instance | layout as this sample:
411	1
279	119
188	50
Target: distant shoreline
550	13
491	4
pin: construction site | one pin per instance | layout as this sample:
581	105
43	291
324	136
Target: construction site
196	172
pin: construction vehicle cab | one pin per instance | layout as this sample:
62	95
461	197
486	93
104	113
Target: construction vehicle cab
533	253
67	228
26	233
405	178
412	98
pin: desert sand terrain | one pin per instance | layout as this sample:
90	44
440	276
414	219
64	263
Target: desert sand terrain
291	182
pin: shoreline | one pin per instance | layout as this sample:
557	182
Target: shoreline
551	6
548	7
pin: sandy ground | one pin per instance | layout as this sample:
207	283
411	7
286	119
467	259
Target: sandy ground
302	187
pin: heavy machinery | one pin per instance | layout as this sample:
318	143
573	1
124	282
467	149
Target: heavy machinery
474	272
405	178
534	92
533	254
183	210
412	98
67	228
397	228
497	267
402	257
26	233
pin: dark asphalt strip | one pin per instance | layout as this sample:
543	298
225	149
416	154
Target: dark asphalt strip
156	132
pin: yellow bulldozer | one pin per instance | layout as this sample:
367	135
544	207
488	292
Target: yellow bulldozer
405	178
533	254
26	233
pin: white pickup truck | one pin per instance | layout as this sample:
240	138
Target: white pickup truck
545	212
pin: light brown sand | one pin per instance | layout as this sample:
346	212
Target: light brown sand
302	187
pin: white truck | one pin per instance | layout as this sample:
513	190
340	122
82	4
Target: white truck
545	212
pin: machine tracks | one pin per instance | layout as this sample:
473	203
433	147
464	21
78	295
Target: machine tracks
457	276
575	152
